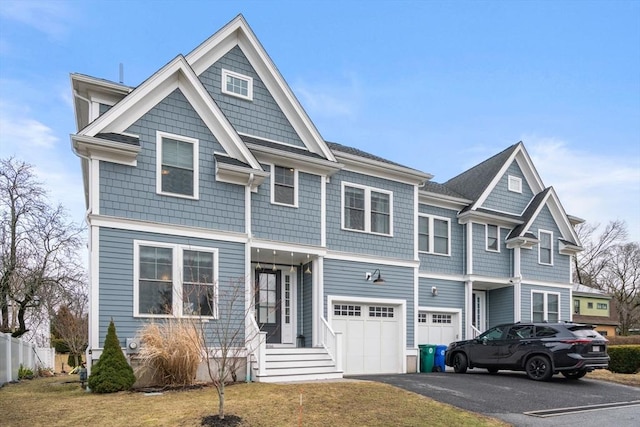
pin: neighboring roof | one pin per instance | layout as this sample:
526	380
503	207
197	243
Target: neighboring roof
473	182
595	320
583	289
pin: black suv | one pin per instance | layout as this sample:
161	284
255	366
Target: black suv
539	349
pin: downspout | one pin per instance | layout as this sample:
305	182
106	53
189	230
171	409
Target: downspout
249	295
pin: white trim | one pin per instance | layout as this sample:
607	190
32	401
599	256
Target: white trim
371	259
546	304
443	276
486	238
514	184
223	84
272	185
94	187
431	219
94	287
196	164
177	252
168	229
323	211
402	317
550	234
469	247
367	208
548	284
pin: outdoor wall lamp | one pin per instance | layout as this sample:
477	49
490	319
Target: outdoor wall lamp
434	291
378	280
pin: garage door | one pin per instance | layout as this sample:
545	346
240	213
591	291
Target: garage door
437	328
372	339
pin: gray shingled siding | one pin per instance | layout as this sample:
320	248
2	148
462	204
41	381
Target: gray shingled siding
285	223
398	246
453	264
499	306
531	269
305	300
487	263
116	276
347	278
501	199
130	192
450	293
565	300
260	117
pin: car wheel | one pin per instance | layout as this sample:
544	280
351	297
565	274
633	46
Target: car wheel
460	363
574	375
492	370
539	368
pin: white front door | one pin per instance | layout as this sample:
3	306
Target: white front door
288	312
479	317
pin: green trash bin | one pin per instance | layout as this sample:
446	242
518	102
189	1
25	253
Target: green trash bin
427	356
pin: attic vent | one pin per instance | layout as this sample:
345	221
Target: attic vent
515	184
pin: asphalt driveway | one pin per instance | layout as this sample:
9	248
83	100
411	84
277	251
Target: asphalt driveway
514	398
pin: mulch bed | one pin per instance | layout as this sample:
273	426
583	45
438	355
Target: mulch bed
215	421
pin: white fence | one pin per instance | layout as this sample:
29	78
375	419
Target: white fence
15	352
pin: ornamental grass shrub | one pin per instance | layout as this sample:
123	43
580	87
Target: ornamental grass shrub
112	372
170	352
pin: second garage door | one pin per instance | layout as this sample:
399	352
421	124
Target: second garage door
372	339
438	327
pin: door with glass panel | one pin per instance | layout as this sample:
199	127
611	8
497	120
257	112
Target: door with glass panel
268	306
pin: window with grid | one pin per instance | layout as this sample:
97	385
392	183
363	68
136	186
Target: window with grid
441	318
198	285
237	84
284	189
380	311
367	209
155	280
422	317
545	253
177	165
347	310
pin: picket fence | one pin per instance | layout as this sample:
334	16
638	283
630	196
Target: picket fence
15	352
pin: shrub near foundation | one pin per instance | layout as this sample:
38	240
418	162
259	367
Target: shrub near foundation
112	372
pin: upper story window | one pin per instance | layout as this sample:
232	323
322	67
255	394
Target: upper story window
366	209
545	306
434	235
174	280
545	247
602	306
284	186
492	234
515	184
236	84
177	165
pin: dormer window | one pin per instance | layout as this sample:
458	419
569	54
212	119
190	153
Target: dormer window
515	184
238	85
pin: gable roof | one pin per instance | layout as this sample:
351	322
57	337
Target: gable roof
238	32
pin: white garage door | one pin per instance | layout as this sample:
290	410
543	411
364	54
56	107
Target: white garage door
371	337
437	328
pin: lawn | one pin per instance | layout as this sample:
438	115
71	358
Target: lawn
58	402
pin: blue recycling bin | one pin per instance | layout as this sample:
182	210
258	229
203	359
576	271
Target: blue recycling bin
438	360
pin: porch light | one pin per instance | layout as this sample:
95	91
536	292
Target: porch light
434	291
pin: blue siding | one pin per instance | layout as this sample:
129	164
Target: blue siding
260	117
501	199
130	192
450	293
453	264
488	263
398	246
305	318
531	269
116	276
565	300
500	306
346	278
285	223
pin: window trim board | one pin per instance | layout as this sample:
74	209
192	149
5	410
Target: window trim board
196	164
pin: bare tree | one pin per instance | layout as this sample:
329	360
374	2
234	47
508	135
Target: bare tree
70	324
39	248
590	263
621	279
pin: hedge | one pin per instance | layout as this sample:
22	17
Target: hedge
625	359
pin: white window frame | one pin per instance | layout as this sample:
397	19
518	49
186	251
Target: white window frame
177	281
249	80
196	168
486	240
431	219
546	304
550	234
273	186
515	184
367	208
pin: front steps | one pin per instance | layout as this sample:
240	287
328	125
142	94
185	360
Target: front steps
296	364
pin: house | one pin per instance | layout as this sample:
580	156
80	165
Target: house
593	307
212	164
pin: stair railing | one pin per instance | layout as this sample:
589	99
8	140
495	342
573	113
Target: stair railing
257	345
332	342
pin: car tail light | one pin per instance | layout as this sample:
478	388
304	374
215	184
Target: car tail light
576	341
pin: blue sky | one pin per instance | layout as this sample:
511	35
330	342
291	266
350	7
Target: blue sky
438	86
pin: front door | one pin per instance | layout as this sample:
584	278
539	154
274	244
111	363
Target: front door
268	304
479	317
